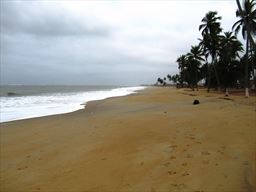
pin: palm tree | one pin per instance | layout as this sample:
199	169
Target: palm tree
182	63
247	21
175	79
229	52
194	58
252	68
164	83
204	44
169	77
159	80
247	18
210	32
204	73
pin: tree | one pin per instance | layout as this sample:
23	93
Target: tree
229	65
169	77
252	67
159	80
175	78
207	68
247	21
164	83
194	59
210	32
182	64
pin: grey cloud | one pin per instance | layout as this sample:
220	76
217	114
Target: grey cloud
18	19
43	61
46	44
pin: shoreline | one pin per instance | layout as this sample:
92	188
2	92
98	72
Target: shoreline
82	104
152	140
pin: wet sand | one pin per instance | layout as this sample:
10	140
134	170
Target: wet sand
152	141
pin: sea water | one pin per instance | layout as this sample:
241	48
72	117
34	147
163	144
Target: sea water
22	102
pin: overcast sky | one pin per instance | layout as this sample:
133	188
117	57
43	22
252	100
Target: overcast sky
100	42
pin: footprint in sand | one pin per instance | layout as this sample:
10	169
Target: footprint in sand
22	168
222	150
172	172
179	186
28	156
205	153
184	164
190	137
185	174
172	157
173	146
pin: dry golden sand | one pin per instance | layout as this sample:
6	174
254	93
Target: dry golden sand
152	141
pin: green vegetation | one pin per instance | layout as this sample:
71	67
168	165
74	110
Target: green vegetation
219	60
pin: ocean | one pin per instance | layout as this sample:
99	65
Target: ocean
22	101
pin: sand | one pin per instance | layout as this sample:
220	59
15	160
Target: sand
152	141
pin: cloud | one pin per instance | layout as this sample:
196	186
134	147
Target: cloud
99	42
34	19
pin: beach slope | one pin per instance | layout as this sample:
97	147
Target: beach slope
155	140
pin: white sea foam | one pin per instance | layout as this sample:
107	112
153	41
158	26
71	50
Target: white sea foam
24	107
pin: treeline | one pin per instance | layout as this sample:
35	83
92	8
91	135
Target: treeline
219	60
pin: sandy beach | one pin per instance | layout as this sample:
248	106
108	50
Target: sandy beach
152	141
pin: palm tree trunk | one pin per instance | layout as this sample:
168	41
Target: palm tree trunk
249	37
226	92
209	77
246	78
182	80
197	82
253	67
216	73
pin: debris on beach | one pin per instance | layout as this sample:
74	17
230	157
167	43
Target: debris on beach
196	102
